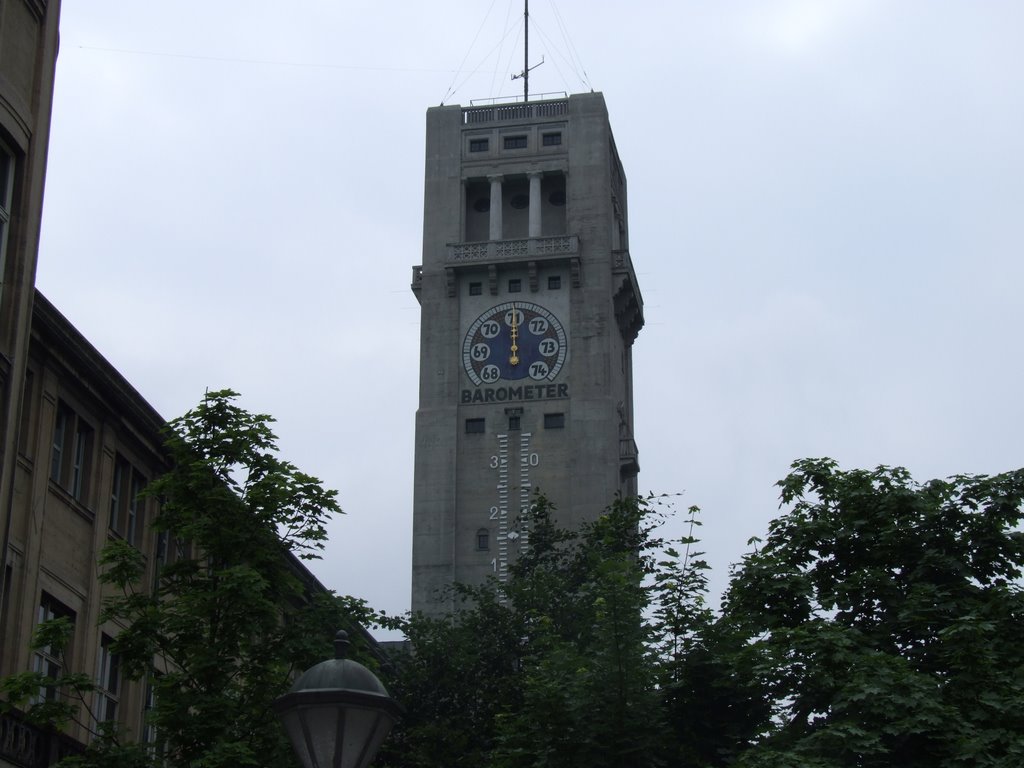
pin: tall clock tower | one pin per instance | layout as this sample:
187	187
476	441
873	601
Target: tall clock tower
529	310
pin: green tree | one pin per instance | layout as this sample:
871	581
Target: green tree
589	696
228	620
883	621
556	666
711	706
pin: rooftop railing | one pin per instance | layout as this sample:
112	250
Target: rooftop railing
492	113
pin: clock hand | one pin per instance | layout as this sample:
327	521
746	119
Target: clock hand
514	334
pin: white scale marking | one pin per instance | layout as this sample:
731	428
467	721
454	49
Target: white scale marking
503	507
524	490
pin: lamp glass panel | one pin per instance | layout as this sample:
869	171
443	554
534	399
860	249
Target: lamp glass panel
364	733
314	733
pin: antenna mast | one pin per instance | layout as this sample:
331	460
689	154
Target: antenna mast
525	50
525	74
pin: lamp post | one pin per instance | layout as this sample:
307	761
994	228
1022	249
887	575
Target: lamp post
337	713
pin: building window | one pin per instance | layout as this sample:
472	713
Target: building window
161	556
60	429
482	204
6	202
474	426
514	422
479	145
515	285
554	282
5	596
475	289
169	549
72	452
483	539
47	658
107	682
554	421
126	508
551	139
26	441
515	142
149	734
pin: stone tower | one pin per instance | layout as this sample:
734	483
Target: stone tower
529	309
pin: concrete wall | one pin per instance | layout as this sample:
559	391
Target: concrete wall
470	482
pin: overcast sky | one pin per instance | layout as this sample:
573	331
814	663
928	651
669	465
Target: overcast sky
826	208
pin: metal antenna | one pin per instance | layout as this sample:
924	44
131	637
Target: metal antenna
525	74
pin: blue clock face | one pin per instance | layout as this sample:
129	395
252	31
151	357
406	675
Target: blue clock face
514	340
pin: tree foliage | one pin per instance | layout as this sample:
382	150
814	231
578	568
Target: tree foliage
882	620
878	624
226	622
558	665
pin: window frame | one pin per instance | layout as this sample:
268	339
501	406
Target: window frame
47	660
127	509
150	734
108	681
8	165
71	452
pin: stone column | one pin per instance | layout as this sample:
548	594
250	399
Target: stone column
535	203
495	218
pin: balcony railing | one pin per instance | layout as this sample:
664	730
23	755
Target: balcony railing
26	745
520	111
629	457
21	744
513	250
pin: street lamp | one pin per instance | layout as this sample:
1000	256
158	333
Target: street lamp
337	713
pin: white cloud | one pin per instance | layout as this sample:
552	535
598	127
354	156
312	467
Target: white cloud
805	27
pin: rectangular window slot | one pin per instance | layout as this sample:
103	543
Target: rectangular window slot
554	421
515	285
483	539
478	145
515	142
474	426
551	139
